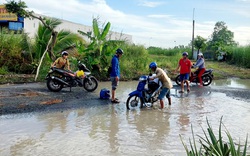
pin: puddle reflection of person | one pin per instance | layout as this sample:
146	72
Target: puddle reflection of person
184	117
153	127
113	131
184	121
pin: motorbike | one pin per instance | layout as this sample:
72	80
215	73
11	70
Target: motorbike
146	93
59	78
207	77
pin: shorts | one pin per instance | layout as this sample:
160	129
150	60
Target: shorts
184	77
114	83
164	92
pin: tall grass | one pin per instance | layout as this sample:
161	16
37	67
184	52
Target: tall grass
169	51
134	62
239	56
14	52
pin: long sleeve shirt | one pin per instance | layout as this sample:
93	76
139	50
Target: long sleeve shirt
200	63
115	67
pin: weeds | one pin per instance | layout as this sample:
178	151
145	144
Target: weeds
214	146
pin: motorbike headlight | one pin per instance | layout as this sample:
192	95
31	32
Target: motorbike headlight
143	78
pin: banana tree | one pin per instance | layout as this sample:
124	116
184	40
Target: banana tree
100	47
96	51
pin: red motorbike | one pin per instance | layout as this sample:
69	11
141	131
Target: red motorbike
207	77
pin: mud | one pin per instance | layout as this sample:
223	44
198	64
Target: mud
21	98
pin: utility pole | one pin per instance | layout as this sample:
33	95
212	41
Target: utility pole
193	34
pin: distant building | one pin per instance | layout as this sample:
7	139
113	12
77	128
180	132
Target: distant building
30	26
10	21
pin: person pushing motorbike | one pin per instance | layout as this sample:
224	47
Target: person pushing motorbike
166	83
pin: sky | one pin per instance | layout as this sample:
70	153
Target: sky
161	23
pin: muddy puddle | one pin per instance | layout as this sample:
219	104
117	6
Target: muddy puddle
112	130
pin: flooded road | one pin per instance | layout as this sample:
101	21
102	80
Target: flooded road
112	130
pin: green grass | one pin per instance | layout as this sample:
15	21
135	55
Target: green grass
239	56
223	70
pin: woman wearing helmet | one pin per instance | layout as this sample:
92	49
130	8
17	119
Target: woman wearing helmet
201	67
166	83
185	70
62	62
115	74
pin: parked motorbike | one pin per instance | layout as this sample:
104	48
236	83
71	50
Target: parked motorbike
207	77
144	96
60	78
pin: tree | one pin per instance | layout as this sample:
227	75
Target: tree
65	39
199	43
221	37
18	8
100	46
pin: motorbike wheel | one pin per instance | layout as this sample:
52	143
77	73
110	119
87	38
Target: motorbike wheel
134	102
90	84
178	80
53	85
207	80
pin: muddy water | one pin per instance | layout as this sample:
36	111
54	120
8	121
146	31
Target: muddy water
112	130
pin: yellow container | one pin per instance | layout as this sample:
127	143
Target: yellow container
79	73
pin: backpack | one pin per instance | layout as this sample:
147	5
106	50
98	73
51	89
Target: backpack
104	94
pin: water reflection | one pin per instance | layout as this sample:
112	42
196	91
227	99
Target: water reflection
233	82
112	130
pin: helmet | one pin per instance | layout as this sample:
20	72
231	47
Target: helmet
185	54
200	54
119	51
153	65
65	53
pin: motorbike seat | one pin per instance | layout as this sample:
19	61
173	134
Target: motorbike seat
208	70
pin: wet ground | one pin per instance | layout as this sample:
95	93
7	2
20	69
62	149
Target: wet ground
78	123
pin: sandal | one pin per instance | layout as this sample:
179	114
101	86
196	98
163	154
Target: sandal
181	91
115	101
188	90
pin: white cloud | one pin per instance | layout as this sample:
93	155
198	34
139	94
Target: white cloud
241	34
243	1
151	4
155	29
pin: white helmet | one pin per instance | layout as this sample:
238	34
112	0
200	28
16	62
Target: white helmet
200	54
65	53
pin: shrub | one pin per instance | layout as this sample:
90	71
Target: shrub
3	70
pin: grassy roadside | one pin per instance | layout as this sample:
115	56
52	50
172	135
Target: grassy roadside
222	70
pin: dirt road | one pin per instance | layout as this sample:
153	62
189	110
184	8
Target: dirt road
19	98
29	97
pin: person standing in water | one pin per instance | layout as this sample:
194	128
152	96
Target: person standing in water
185	71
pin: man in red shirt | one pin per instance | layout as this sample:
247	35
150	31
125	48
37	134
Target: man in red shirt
185	65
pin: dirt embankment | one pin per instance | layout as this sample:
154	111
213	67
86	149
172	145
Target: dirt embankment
36	97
